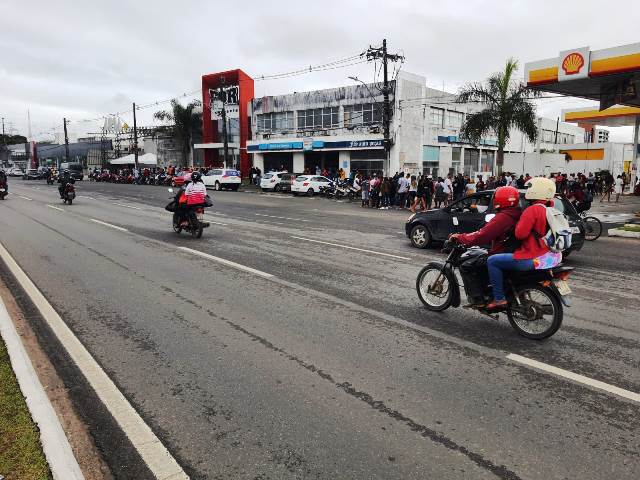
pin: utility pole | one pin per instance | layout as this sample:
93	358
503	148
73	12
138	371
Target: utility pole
4	139
382	53
223	114
135	136
66	141
555	141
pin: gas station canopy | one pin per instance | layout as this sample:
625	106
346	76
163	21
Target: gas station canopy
611	117
610	76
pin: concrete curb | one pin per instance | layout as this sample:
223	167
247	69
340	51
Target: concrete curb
55	444
618	232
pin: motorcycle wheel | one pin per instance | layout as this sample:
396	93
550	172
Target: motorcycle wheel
434	287
70	201
199	231
540	314
592	228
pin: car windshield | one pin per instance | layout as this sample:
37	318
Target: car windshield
232	173
301	179
268	175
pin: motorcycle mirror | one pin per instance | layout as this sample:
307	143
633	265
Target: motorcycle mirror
489	216
170	190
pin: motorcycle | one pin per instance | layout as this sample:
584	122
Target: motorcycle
3	190
51	179
189	218
535	298
68	194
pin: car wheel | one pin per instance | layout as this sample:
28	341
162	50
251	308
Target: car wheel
277	188
217	186
310	192
420	236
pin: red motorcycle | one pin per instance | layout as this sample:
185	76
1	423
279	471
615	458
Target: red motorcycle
68	194
3	189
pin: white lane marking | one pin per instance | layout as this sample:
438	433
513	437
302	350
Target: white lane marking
283	218
127	206
216	223
108	225
575	377
150	448
26	198
352	248
85	196
54	441
55	208
227	262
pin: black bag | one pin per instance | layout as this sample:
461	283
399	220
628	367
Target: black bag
475	277
208	202
171	206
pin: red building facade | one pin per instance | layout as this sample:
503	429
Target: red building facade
213	144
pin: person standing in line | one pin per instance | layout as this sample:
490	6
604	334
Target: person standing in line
480	184
608	186
619	187
384	194
374	191
413	193
365	192
427	195
470	188
448	190
403	188
440	193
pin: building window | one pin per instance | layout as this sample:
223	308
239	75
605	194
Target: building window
471	157
454	119
437	117
316	118
275	122
430	153
362	114
486	161
455	158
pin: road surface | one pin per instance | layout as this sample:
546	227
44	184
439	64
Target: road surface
289	343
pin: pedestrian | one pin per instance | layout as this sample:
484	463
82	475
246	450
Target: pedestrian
520	182
365	192
470	188
384	193
480	185
619	187
448	189
608	182
413	192
403	189
374	191
440	193
427	197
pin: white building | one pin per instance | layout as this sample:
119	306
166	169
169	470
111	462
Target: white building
342	128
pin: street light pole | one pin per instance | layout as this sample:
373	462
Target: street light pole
135	137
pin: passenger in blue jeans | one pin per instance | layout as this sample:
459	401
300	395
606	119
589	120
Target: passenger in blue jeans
533	253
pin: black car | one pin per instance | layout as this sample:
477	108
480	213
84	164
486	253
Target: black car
286	180
470	213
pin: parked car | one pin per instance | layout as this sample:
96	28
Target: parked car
31	174
15	172
220	178
309	184
470	214
180	178
271	181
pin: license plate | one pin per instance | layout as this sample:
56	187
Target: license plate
2	190
563	287
575	230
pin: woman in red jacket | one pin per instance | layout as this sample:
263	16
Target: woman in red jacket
533	252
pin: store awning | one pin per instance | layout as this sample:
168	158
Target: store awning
610	76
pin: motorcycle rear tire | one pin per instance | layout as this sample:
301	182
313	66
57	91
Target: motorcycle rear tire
446	303
70	201
557	314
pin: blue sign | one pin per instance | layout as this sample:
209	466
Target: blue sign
275	146
456	139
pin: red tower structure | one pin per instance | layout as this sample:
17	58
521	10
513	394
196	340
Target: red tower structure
214	82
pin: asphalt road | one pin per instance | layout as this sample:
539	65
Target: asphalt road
330	368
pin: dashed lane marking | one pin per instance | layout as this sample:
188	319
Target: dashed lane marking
109	225
26	198
127	206
228	263
352	248
55	208
621	392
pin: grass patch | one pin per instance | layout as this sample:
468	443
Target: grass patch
631	228
21	456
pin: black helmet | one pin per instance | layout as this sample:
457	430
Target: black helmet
66	172
196	177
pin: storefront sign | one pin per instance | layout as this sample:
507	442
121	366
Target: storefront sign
317	144
574	64
275	146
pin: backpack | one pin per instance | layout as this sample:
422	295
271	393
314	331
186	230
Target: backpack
588	197
558	236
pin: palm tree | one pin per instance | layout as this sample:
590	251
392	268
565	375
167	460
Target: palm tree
185	123
508	106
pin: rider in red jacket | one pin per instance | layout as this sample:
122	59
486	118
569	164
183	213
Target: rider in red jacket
495	232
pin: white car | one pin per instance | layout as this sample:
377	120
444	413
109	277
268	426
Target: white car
309	184
271	181
219	178
15	172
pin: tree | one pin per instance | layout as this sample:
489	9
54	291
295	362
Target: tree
12	139
185	123
508	105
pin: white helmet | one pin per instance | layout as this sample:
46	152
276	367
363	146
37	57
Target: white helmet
540	188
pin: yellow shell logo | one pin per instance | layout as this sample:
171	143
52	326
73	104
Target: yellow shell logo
572	63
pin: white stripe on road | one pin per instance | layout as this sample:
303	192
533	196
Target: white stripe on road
227	262
55	208
575	377
153	452
216	223
127	206
85	196
108	225
282	218
352	248
26	198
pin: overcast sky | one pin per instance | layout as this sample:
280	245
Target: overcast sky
84	59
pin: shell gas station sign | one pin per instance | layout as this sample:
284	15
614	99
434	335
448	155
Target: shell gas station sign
573	64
